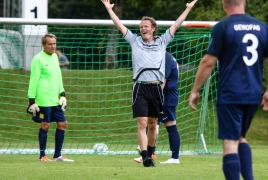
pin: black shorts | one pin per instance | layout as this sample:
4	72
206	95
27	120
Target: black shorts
147	100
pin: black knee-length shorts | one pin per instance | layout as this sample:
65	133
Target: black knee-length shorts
147	100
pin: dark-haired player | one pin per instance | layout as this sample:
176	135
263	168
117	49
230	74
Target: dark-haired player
240	44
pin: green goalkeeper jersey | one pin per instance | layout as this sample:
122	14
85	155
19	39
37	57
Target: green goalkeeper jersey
45	80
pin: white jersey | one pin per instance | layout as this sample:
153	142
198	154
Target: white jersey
148	55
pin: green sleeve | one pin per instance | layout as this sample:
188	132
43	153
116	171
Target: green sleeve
34	77
61	83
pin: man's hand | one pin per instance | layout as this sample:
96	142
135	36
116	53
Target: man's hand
32	109
193	100
190	5
264	101
63	103
107	4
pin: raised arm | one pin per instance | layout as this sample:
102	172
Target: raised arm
114	17
182	17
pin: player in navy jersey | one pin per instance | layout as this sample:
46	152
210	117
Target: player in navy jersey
171	100
148	62
240	44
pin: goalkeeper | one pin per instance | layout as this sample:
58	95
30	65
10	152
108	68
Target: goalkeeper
148	60
47	97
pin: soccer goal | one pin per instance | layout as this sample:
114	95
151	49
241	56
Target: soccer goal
98	86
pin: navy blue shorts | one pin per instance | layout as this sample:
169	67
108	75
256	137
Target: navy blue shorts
169	114
234	120
49	114
147	100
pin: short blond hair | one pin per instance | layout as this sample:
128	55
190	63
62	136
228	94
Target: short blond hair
44	40
153	22
232	2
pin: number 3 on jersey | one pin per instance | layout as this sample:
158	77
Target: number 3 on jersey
252	49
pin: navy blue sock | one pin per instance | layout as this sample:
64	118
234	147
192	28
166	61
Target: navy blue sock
174	140
59	138
231	167
42	137
150	150
245	155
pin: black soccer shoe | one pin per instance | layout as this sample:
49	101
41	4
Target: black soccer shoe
148	162
152	163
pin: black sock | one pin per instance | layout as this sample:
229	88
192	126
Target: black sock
144	154
150	150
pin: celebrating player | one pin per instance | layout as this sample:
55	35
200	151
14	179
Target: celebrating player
171	100
47	97
239	43
148	59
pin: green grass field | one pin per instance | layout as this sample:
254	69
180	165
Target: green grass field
99	110
106	167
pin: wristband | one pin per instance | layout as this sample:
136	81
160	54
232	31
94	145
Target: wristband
62	94
31	101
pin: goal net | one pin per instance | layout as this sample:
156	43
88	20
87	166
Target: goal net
98	84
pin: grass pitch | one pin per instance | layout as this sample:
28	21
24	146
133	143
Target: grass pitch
106	167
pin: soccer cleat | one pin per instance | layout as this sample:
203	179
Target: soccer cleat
44	159
62	158
138	160
138	149
148	162
152	163
171	161
154	156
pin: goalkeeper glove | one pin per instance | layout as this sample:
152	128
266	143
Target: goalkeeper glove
32	107
63	101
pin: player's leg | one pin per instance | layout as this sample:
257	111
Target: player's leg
244	149
155	101
142	136
59	118
169	120
156	138
152	132
43	117
245	156
139	159
230	121
140	111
